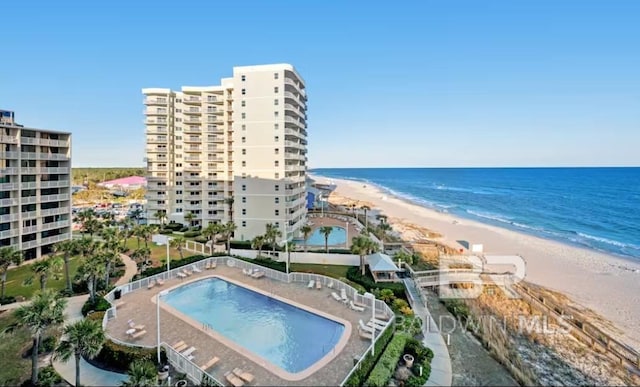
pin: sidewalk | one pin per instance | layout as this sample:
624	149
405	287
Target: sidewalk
441	373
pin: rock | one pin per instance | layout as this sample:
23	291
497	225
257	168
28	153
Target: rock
403	373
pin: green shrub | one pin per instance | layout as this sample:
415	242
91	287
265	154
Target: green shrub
386	365
241	245
183	229
165	231
174	263
191	234
266	262
399	303
174	226
201	239
354	285
423	357
7	300
100	305
117	357
98	316
457	307
353	274
48	376
358	377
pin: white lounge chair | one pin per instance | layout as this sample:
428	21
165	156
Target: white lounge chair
343	294
195	269
189	351
181	275
375	325
258	274
318	285
207	266
365	335
159	282
330	285
355	307
310	285
336	296
151	284
247	271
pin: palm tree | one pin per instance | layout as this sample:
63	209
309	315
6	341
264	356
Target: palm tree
229	201
141	256
271	235
45	268
189	217
90	271
211	232
326	231
45	310
306	232
136	214
161	216
142	373
178	243
67	248
83	338
365	208
145	233
228	230
257	243
362	245
8	256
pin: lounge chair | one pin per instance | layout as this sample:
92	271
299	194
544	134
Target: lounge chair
330	285
195	269
258	274
234	380
181	275
247	271
310	285
138	334
375	325
355	307
187	272
336	296
159	282
364	327
343	294
120	304
210	363
247	377
318	285
213	265
181	347
139	327
207	267
178	344
151	284
188	351
365	335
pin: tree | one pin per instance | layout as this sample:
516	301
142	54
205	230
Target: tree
44	269
161	216
189	217
257	243
365	208
228	230
91	270
211	232
83	338
178	244
229	201
326	231
306	232
361	245
141	256
142	373
45	310
8	256
67	248
136	214
271	235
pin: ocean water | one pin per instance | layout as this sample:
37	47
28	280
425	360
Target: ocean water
595	208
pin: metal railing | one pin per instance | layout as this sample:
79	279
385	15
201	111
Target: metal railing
182	364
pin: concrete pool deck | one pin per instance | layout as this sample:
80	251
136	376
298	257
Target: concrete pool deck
139	307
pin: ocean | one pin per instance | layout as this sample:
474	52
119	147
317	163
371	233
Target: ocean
594	208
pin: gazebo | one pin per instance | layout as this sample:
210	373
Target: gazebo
382	268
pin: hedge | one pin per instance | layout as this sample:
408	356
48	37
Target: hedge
100	305
165	232
117	357
423	357
386	365
266	262
358	376
191	234
353	274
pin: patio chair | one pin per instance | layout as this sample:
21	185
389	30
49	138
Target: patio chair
138	334
151	284
159	282
188	351
233	379
364	335
258	274
365	327
187	272
343	294
195	269
382	316
336	296
310	284
330	285
181	347
181	275
355	307
213	265
178	344
247	377
318	285
210	363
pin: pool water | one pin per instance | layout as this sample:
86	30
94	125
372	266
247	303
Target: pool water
287	336
338	236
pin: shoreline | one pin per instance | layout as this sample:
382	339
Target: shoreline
605	283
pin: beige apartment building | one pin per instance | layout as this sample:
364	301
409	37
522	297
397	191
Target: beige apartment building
35	187
235	151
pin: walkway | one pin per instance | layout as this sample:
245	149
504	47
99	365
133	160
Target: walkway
441	373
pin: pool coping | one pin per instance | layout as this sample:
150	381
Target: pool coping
266	364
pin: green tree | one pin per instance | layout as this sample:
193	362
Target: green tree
272	234
189	217
45	310
8	256
326	231
44	269
67	248
90	271
257	243
306	232
83	338
361	245
161	216
211	232
178	244
142	373
365	209
228	229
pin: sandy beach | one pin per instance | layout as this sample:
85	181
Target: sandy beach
608	285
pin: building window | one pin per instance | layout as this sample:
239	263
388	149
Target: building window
277	200
243	103
244	199
244	127
277	212
244	91
179	165
277	224
275	102
244	139
244	223
275	114
276	163
275	126
244	211
243	77
276	175
277	187
244	151
276	139
244	115
178	174
178	192
275	75
244	163
277	150
244	187
275	89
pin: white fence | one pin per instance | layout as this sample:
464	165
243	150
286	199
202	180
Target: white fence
194	372
302	257
182	364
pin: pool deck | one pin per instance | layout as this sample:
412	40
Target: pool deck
142	310
317	222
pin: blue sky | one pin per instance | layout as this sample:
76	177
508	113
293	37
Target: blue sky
425	83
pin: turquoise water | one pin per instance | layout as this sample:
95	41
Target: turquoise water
287	336
337	237
596	208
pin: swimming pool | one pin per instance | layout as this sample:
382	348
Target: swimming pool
338	236
287	336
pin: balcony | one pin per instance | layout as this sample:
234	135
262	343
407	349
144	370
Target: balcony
192	178
53	142
215	131
300	123
9	171
29	184
54	225
216	100
29	230
298	100
191	120
217	139
54	170
193	149
295	156
192	158
214	120
192	111
29	244
29	215
8	218
10	155
193	168
157	169
54	239
155	121
192	139
52	156
29	200
28	141
54	198
155	101
215	111
156	112
9	186
294	144
157	139
55	184
8	139
8	233
8	202
192	100
215	159
156	149
193	207
293	167
192	130
156	130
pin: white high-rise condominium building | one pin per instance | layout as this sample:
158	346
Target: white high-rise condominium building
233	152
35	187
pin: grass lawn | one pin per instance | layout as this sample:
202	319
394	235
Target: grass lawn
16	277
15	369
158	253
334	271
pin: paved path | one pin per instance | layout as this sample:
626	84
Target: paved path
131	269
441	373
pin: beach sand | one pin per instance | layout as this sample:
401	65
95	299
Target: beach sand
608	285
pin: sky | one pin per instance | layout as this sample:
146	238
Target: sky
390	84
